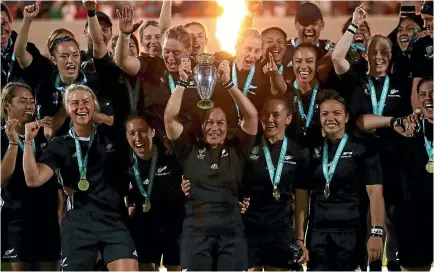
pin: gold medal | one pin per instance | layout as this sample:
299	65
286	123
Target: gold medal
430	167
147	206
83	185
276	194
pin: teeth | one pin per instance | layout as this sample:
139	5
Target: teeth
139	145
379	62
428	106
275	52
404	39
358	39
82	114
28	112
304	73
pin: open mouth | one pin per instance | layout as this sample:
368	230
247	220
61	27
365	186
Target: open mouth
140	147
172	65
82	114
304	74
275	52
380	63
404	39
331	125
28	112
359	39
214	134
309	37
196	47
428	106
249	62
71	68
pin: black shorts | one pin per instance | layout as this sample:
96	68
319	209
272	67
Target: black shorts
415	233
214	253
85	233
30	239
334	251
154	240
270	250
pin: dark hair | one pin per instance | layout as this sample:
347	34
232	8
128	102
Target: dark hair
198	24
422	81
278	29
133	37
58	41
206	113
330	94
348	22
280	98
8	93
140	115
5	9
310	46
57	32
180	34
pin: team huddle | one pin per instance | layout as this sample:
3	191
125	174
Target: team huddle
314	152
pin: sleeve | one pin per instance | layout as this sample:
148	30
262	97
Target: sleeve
359	104
372	167
52	155
244	143
182	147
4	143
349	80
108	72
39	70
303	161
417	61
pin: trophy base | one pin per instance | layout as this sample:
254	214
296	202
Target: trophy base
205	104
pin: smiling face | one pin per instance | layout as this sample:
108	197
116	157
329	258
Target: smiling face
304	64
248	52
214	128
428	22
140	135
6	29
333	117
198	38
275	117
22	105
309	33
362	35
151	39
81	107
405	31
274	43
67	59
379	55
425	94
173	52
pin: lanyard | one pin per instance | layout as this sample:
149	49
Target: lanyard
329	172
82	162
281	69
306	118
246	85
21	145
359	47
428	144
171	83
151	173
275	173
378	107
60	88
295	43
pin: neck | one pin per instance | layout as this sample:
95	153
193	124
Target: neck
334	137
67	80
83	130
375	74
239	64
276	138
304	87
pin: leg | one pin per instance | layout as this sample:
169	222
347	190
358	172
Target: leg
421	268
196	252
20	266
48	266
232	253
6	266
255	250
278	253
256	268
147	267
391	247
173	268
123	265
346	246
320	257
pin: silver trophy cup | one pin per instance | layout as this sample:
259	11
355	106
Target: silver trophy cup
205	77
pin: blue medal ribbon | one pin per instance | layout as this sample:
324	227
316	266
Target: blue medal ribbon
306	118
428	145
151	176
281	69
359	47
246	85
275	173
295	43
378	107
21	145
60	88
329	171
171	83
82	162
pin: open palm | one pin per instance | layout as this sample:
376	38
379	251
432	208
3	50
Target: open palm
126	20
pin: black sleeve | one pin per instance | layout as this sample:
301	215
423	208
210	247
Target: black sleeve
348	81
303	162
182	147
372	167
244	143
419	65
39	70
4	143
359	104
108	72
53	155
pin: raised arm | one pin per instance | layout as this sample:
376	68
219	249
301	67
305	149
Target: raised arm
407	8
173	127
278	85
252	6
35	174
9	159
249	123
165	15
99	46
340	63
23	57
128	64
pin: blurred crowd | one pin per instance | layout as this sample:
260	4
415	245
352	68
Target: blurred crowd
71	10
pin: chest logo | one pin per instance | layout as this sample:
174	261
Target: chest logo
146	182
163	171
109	148
347	155
254	155
56	98
201	154
224	153
394	91
429	52
214	166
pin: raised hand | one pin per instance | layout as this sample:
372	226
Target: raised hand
126	20
89	4
11	132
254	5
223	72
185	69
359	15
270	68
31	11
31	130
47	123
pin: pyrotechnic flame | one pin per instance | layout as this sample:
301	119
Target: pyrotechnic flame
228	24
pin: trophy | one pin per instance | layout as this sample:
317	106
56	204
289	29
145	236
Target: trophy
205	78
297	252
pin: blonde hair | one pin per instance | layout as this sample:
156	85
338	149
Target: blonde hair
377	37
8	93
248	32
77	87
180	34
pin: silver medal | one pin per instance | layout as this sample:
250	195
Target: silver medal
327	191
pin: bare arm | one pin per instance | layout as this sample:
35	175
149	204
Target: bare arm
370	122
165	15
249	124
8	165
376	200
278	84
173	127
129	64
324	66
301	212
99	46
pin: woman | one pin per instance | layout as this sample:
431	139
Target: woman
49	82
91	161
151	38
417	174
271	191
30	229
213	229
156	197
343	170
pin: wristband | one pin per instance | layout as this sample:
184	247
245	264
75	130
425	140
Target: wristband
392	122
377	227
301	240
26	142
13	143
126	36
91	13
352	28
354	25
228	86
182	83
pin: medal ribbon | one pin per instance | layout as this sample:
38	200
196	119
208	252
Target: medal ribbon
82	162
359	47
306	118
151	173
295	43
281	69
171	83
329	172
378	107
274	173
21	145
61	88
428	145
246	85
